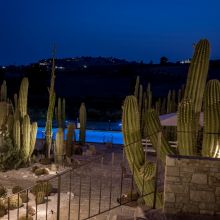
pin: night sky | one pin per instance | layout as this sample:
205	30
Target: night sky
130	29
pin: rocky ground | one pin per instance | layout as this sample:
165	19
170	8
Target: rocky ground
93	187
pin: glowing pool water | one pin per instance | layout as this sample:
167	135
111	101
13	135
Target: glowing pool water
95	136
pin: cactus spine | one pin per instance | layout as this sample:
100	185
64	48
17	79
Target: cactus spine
82	120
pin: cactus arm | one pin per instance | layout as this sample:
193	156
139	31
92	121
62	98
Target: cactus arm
152	127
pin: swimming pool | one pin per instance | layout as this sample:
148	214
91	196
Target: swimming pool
95	136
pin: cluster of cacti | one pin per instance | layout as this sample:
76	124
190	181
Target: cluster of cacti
50	111
190	108
60	113
82	120
188	116
18	134
142	170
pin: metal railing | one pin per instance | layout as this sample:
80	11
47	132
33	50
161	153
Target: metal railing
93	188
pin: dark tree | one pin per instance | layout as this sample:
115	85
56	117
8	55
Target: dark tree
163	60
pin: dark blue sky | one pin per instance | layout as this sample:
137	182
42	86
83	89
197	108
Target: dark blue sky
131	29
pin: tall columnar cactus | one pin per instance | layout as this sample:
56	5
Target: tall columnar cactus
64	112
59	146
26	129
17	134
3	113
149	96
137	85
173	101
134	150
82	120
33	134
211	131
186	128
61	116
15	101
10	123
190	107
23	95
50	111
195	86
197	75
140	99
169	104
4	91
70	139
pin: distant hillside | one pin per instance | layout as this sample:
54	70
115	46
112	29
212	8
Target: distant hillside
102	83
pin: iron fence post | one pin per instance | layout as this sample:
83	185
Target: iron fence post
58	197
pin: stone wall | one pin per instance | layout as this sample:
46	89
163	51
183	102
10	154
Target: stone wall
192	185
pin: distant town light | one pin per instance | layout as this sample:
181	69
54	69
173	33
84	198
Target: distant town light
59	67
43	63
3	67
185	61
